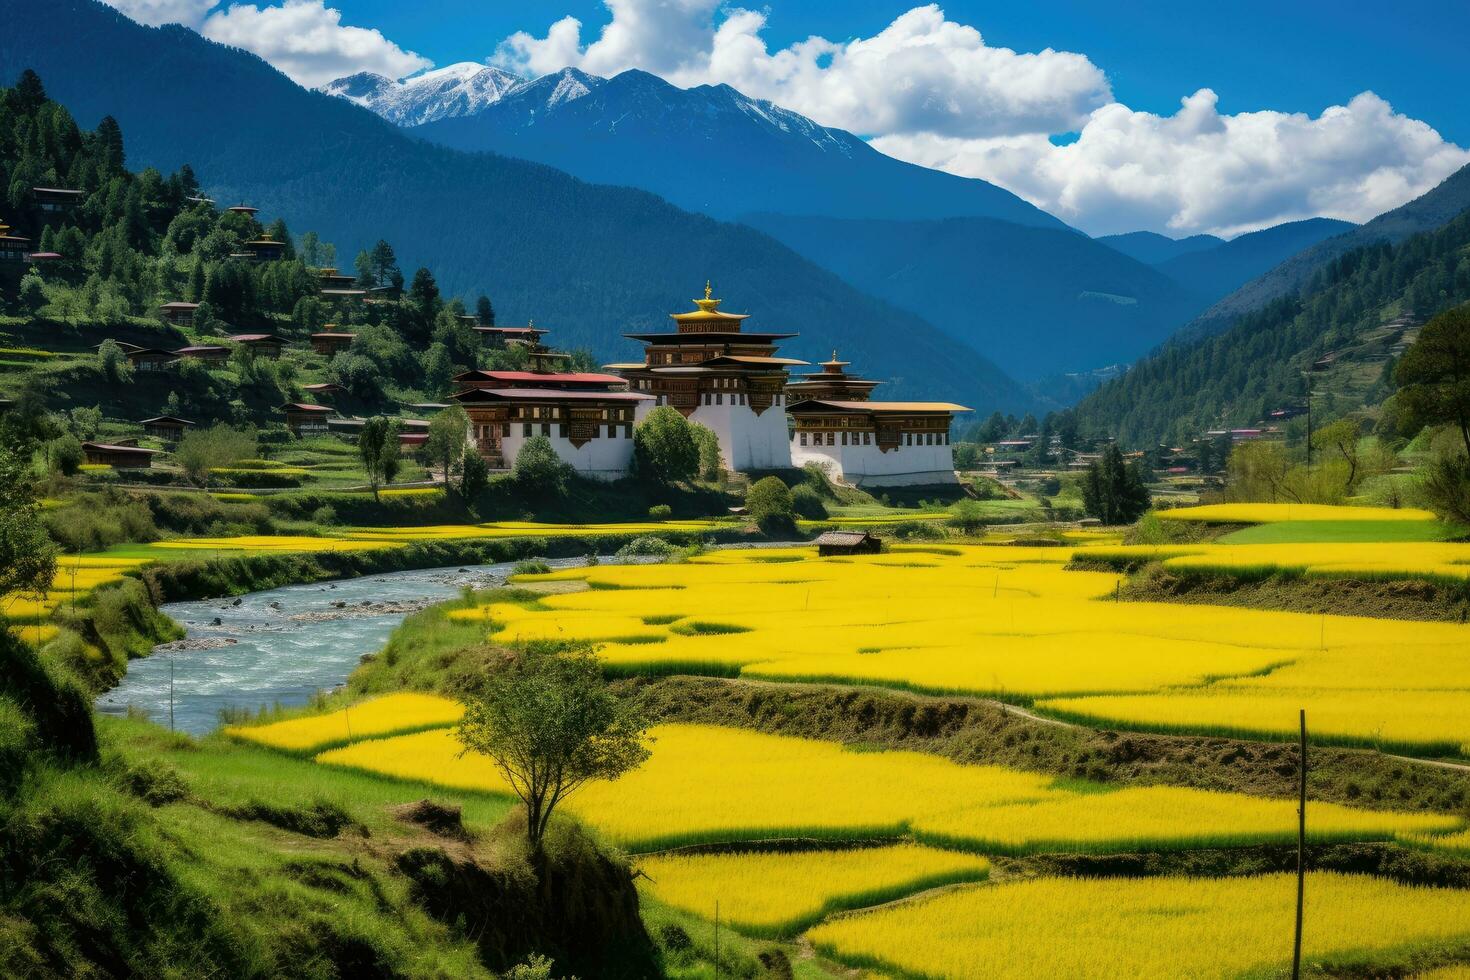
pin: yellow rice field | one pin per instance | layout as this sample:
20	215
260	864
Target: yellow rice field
710	784
1449	561
1152	927
1014	623
780	893
1271	513
386	715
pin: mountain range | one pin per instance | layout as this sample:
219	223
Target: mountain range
708	148
971	258
589	261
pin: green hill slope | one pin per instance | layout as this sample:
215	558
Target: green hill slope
590	262
1345	314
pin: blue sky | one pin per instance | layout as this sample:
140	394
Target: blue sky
1173	117
1287	55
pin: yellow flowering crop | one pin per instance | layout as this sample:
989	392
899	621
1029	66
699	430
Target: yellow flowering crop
705	783
386	715
1126	928
777	894
1417	722
1271	513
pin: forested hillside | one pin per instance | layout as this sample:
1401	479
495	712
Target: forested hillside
590	262
1425	213
1258	364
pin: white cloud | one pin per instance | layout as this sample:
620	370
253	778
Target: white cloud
920	74
155	12
931	91
308	41
1201	171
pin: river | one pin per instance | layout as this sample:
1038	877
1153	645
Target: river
280	646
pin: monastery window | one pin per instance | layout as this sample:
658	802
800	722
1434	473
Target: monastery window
546	428
831	438
526	429
627	432
867	438
561	430
505	430
719	398
802	436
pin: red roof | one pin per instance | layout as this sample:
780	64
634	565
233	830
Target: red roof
44	255
881	407
550	394
304	407
412	438
566	377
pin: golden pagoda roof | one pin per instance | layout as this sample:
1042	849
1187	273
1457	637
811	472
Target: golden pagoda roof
708	311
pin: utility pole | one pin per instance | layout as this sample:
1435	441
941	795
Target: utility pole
1309	422
1301	851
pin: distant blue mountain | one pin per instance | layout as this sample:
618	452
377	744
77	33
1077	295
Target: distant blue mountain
1037	301
709	149
1151	248
1213	273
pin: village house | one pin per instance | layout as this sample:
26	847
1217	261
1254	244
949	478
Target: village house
13	248
304	419
346	429
587	417
261	344
118	455
149	358
166	427
719	375
324	389
848	543
529	335
208	353
178	313
330	278
55	204
329	342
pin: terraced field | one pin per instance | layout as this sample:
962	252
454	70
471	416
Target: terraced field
905	862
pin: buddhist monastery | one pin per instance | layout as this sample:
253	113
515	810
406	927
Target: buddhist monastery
867	443
723	377
587	417
830	382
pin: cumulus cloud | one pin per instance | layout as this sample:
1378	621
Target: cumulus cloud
1201	171
931	91
921	74
155	12
305	39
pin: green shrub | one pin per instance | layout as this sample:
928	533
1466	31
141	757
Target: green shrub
660	512
532	567
967	516
807	503
770	506
647	545
917	531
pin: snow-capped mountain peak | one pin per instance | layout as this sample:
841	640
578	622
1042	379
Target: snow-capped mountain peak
460	89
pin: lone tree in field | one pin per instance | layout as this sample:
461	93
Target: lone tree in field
549	722
377	447
202	451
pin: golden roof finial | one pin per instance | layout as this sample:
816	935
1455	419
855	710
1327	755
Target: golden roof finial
707	289
834	353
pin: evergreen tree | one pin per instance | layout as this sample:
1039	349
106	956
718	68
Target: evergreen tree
1434	375
1113	491
484	311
